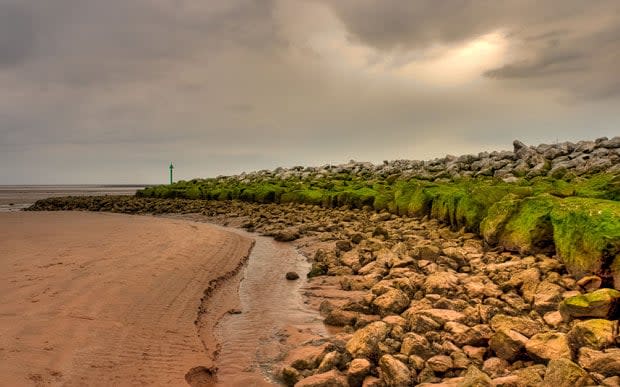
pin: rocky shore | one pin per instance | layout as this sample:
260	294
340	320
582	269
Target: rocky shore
496	269
421	304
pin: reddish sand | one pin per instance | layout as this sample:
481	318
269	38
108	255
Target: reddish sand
105	299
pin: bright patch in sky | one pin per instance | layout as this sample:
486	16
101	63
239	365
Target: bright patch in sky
439	65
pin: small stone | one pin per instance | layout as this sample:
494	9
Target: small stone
292	276
343	246
553	319
590	283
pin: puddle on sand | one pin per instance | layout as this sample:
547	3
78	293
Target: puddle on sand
270	306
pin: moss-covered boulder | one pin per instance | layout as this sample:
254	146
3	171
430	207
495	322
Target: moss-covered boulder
602	303
529	229
498	215
586	233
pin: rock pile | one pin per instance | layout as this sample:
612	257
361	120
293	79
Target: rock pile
554	160
430	306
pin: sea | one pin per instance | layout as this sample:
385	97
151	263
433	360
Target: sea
18	197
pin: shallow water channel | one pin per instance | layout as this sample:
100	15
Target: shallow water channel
273	315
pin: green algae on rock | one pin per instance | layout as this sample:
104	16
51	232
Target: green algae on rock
586	233
602	303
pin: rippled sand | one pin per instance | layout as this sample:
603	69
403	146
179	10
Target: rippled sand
105	299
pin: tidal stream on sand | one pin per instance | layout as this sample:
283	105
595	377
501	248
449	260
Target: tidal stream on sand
273	315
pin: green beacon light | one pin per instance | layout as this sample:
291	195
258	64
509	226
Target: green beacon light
171	168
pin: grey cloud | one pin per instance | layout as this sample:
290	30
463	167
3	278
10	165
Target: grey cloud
17	38
112	91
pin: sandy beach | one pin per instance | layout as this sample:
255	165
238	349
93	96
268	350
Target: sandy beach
105	299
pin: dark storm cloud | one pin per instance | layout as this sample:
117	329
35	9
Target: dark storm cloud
573	44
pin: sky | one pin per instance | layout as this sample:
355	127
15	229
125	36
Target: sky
113	91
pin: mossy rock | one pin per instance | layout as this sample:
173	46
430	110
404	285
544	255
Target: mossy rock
587	237
498	215
602	303
529	229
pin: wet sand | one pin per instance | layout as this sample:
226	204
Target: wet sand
273	317
106	299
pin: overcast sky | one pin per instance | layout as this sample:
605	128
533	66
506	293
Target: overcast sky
95	91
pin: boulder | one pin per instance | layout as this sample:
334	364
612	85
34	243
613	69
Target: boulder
442	283
330	361
365	341
564	373
602	303
606	362
332	378
414	344
290	375
292	276
595	333
547	297
394	301
340	318
548	346
508	344
495	367
307	358
442	316
440	363
394	372
523	325
530	376
421	324
358	370
372	381
475	378
477	335
286	235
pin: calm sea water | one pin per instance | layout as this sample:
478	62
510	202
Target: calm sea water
17	197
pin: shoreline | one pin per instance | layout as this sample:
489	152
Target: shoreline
86	296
